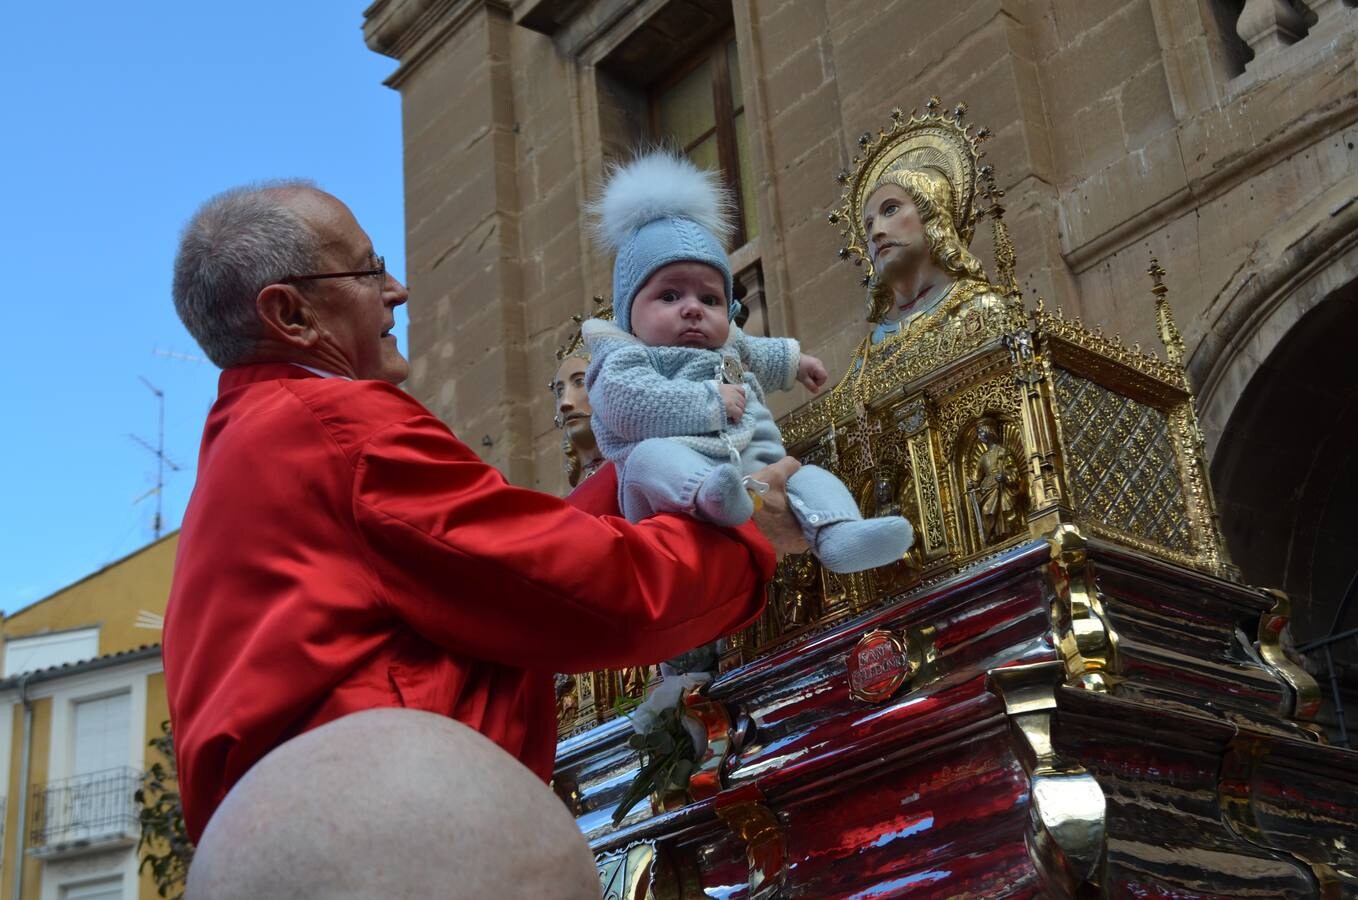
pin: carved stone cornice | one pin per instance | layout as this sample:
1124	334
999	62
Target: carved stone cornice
408	30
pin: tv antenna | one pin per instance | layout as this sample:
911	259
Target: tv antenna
182	357
158	451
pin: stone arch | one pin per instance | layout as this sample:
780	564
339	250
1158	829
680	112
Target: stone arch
1278	377
1302	264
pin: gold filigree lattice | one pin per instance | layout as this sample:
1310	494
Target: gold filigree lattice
1121	464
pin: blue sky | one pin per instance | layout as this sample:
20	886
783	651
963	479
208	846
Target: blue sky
120	120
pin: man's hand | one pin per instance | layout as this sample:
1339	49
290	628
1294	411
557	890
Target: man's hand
811	373
733	398
774	518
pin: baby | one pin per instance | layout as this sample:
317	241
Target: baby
678	390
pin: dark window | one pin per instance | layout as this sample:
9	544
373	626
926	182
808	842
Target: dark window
700	110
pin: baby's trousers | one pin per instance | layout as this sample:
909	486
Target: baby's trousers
662	475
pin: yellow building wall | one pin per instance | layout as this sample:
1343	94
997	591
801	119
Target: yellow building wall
37	774
109	598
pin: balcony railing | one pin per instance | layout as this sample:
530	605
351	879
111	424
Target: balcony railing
1269	27
85	810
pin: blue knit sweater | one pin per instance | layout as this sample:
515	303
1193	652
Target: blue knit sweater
640	392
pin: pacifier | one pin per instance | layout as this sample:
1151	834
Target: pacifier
756	489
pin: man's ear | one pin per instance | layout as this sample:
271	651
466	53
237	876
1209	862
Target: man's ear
287	315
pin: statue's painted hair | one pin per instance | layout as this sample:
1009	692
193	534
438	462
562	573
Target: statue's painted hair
932	197
570	461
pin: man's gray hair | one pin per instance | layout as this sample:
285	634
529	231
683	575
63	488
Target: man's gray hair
235	244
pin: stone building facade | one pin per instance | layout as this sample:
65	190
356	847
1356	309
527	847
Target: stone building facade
1216	135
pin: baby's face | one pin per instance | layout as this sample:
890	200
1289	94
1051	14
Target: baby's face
682	305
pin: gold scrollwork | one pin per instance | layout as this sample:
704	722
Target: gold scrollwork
628	874
1069	807
1274	640
1098	346
927	495
765	851
1084	635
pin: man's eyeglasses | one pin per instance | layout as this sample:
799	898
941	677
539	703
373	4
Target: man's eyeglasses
379	273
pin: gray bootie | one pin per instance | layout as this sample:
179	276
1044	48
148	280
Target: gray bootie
842	539
722	498
860	544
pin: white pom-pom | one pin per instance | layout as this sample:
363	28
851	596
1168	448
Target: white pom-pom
656	186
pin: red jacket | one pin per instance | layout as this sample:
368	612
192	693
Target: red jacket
343	550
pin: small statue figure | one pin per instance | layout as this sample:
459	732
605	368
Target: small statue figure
889	492
997	485
580	452
885	501
633	680
567	702
795	589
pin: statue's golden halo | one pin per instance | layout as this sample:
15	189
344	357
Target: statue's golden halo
937	140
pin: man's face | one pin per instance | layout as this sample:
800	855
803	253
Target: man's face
572	402
682	305
356	314
894	230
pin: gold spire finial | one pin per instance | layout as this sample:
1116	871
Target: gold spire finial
1164	318
1005	260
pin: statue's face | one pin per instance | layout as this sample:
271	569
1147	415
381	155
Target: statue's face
572	402
894	230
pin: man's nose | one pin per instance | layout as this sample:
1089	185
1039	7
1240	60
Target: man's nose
393	292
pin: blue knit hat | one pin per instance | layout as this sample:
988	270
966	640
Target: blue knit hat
661	209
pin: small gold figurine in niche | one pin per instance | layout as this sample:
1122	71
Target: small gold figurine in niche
633	680
994	480
567	702
890	491
883	494
795	590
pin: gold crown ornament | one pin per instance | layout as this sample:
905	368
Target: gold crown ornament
575	344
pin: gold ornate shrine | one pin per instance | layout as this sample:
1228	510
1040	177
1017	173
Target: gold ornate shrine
988	426
1062	690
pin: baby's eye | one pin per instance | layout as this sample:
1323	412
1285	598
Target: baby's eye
670	296
710	300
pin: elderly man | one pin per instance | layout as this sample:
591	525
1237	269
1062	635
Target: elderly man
343	552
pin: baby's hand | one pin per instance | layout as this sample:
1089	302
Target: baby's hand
811	373
733	398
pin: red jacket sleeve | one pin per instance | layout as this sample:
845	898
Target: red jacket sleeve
520	577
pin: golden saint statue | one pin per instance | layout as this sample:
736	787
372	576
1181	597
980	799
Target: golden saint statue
995	484
909	212
579	450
